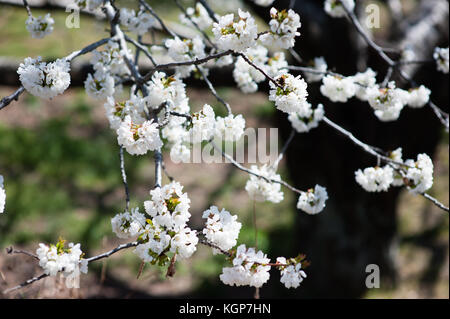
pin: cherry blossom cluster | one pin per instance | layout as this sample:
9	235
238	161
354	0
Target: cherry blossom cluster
387	102
221	228
138	23
251	268
45	80
261	188
235	34
138	139
128	224
41	26
283	29
304	124
185	50
164	228
313	201
289	94
317	64
247	77
440	55
416	175
108	65
67	260
198	15
291	271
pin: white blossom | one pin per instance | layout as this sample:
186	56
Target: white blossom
166	230
198	15
110	59
223	61
137	23
390	114
221	228
245	75
320	65
418	97
203	124
230	128
184	243
420	175
169	206
338	89
167	89
283	29
260	189
116	111
397	155
180	153
276	64
100	86
45	80
291	275
408	55
364	80
41	26
375	179
57	258
334	7
291	95
138	138
249	268
157	243
185	50
236	35
128	224
441	57
175	132
313	201
305	124
263	3
387	102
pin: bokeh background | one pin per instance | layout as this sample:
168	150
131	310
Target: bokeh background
61	167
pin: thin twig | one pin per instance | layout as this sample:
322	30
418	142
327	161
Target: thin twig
27	6
11	250
436	202
209	10
141	47
244	169
213	90
153	13
205	36
4	102
259	69
124	178
191	62
284	149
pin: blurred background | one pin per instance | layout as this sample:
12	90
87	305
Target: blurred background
61	167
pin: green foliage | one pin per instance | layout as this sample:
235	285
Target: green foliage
59	176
